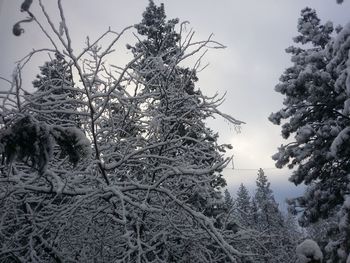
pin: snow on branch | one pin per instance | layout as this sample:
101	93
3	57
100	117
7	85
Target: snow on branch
113	163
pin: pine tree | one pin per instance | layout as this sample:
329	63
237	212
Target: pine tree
266	204
229	221
316	113
243	206
36	141
47	127
175	104
55	100
228	200
278	246
243	199
176	119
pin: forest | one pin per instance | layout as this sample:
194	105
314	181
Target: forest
107	163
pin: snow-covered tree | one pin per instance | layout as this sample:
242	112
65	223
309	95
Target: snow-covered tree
169	89
267	218
309	251
243	199
228	218
55	100
316	112
149	189
175	113
240	231
268	214
228	200
242	211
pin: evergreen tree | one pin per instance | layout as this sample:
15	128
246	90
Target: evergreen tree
177	122
243	199
228	220
243	206
267	207
316	112
228	200
55	100
236	227
41	138
175	105
278	246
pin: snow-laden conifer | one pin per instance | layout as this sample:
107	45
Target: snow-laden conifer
315	112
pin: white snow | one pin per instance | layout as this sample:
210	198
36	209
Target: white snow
342	137
308	250
304	133
346	110
347	203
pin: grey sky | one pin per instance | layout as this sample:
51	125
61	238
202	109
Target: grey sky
255	32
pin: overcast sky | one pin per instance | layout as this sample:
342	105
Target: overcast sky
256	33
